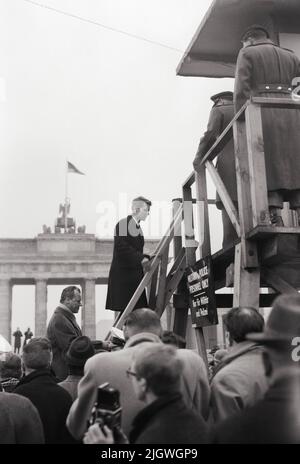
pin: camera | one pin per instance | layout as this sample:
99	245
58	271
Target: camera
107	409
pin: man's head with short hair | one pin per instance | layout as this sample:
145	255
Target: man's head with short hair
37	354
71	298
140	208
142	320
254	33
242	321
10	366
160	367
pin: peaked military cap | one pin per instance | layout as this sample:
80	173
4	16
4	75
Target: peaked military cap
254	27
228	95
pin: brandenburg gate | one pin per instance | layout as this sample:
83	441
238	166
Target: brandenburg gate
55	259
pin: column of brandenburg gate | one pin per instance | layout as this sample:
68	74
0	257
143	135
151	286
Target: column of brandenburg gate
55	259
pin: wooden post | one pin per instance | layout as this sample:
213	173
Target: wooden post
180	296
257	167
246	266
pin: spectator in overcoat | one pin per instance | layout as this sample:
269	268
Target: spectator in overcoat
63	328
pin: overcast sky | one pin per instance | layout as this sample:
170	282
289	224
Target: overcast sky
109	102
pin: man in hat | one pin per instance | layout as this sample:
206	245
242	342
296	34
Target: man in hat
128	261
221	114
265	69
275	418
79	351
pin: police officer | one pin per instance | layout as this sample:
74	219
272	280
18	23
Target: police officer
265	69
221	114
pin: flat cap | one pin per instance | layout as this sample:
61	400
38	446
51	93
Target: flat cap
228	95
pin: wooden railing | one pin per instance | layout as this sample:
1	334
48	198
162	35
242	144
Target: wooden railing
252	214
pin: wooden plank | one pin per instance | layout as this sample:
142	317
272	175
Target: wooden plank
257	167
246	283
204	243
160	300
249	250
203	216
225	300
263	232
270	102
277	282
188	221
225	198
153	290
189	180
181	313
174	279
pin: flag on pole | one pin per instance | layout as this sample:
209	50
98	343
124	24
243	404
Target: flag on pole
73	169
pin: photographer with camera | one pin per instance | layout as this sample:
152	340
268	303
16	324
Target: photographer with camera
156	374
141	327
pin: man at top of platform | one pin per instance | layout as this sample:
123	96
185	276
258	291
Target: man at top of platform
267	70
220	116
129	260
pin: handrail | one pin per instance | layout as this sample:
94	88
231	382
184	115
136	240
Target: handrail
262	101
165	241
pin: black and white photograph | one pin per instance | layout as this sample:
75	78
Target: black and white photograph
150	225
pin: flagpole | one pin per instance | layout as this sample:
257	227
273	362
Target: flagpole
66	197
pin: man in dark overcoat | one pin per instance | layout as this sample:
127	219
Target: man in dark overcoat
18	335
63	328
265	69
220	116
126	270
39	386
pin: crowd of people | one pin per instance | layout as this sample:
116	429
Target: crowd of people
165	393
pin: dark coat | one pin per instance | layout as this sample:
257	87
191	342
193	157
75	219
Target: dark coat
20	422
220	116
168	421
266	63
51	401
126	270
275	419
18	335
61	330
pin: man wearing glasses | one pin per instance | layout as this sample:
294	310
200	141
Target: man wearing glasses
63	328
156	374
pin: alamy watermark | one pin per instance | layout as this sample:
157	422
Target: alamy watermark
296	350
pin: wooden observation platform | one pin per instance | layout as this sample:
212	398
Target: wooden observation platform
265	260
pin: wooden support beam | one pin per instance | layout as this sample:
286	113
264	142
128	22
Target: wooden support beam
257	166
181	312
276	282
225	198
160	300
246	282
153	290
269	102
249	250
174	278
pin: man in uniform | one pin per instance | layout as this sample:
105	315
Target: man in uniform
126	270
221	114
265	69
